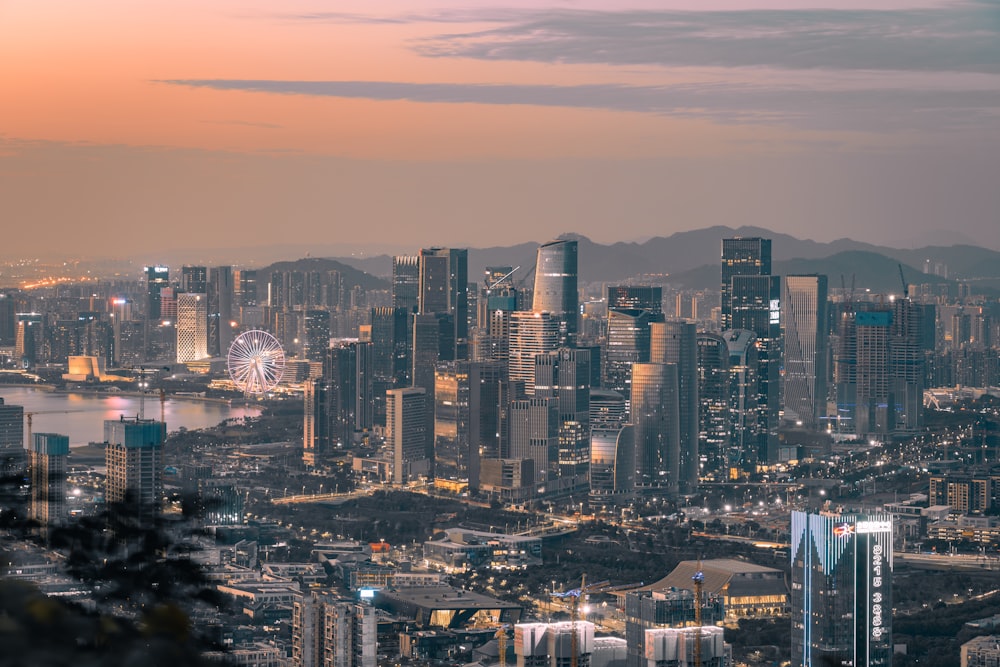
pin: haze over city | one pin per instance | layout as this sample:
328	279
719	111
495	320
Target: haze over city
126	128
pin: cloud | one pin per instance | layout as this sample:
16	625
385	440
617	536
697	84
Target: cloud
852	108
955	37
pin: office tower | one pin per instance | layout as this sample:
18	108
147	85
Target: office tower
133	454
872	388
451	420
612	461
906	365
756	307
7	322
48	478
530	334
194	279
552	644
192	327
391	359
245	281
220	310
331	632
317	334
364	383
713	402
405	282
555	289
406	433
743	402
656	418
316	422
29	339
157	277
444	289
841	589
11	439
741	257
806	326
607	409
628	343
636	297
565	375
534	433
340	375
168	304
489	396
676	342
430	334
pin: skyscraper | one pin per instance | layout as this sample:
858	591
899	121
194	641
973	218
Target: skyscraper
534	433
741	257
656	418
676	342
220	310
331	631
530	334
841	590
743	400
48	478
405	282
555	288
194	279
489	396
406	433
713	401
806	324
636	297
157	277
133	453
444	289
192	327
316	325
627	344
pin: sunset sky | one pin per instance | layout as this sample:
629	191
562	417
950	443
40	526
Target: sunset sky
129	128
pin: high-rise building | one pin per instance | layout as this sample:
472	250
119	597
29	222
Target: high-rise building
444	289
220	310
981	651
650	611
451	420
713	402
627	344
676	342
555	288
636	297
133	454
29	339
331	632
317	333
531	334
612	462
194	279
676	647
534	433
406	433
11	427
741	257
8	308
806	327
192	327
656	418
48	478
247	283
841	589
743	401
405	282
316	422
157	277
607	409
489	396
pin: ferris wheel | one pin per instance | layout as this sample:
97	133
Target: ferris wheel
256	362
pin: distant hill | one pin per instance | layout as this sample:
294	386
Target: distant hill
692	258
350	275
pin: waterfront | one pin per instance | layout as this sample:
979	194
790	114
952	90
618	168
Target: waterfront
81	416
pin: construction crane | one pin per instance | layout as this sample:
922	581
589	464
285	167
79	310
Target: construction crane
582	592
699	582
501	637
143	386
906	288
30	415
502	278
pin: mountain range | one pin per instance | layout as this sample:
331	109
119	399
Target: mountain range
692	260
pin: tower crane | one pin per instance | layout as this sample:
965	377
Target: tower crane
699	582
575	594
906	288
28	416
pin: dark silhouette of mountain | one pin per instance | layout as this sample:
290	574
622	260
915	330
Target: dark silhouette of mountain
350	275
684	254
867	270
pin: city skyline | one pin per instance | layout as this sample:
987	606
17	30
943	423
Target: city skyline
242	125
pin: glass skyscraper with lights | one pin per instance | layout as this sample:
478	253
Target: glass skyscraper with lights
841	589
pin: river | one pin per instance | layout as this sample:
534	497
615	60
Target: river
81	416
